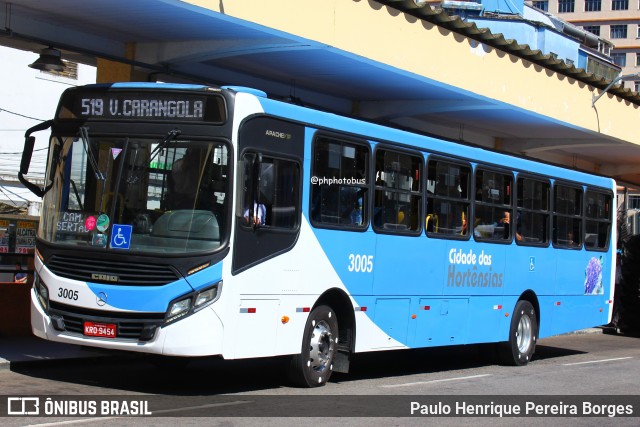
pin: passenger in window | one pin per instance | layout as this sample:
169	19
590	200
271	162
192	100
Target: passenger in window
351	199
463	225
519	227
323	204
505	222
259	214
458	187
506	218
356	212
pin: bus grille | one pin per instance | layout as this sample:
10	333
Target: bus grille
128	325
133	274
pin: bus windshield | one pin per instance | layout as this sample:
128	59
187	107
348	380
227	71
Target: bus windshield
136	194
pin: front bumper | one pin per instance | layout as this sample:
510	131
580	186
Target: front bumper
200	334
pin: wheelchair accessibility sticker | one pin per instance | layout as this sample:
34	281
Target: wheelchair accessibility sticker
121	236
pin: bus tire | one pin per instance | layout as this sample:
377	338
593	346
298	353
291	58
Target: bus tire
523	335
314	365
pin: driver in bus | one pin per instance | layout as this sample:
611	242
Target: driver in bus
184	182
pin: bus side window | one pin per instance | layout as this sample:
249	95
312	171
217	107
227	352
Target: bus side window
567	216
533	213
493	206
448	201
339	188
276	200
398	193
285	199
597	220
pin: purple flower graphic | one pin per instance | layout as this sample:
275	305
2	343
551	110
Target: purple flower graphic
593	277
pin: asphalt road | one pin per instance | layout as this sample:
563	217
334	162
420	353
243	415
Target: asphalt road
596	373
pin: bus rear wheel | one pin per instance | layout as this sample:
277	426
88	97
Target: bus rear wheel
314	365
523	335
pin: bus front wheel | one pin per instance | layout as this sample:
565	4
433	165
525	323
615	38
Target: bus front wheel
313	366
523	334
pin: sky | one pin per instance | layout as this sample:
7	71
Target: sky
27	97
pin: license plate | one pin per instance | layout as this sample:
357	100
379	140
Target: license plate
107	330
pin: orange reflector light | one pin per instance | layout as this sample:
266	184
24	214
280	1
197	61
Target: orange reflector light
39	255
284	320
413	316
198	268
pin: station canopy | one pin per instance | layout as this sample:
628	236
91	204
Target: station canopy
172	40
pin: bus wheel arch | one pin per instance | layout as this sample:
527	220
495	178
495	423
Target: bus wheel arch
327	341
340	302
523	332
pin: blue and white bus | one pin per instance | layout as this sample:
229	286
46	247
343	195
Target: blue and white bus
184	220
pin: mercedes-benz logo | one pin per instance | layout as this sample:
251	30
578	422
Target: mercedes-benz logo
101	299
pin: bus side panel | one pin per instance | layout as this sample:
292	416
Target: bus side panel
261	319
530	267
441	321
352	256
570	273
485	319
393	314
470	268
408	265
571	313
288	286
369	335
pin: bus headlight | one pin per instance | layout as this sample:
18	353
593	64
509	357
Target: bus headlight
179	309
205	297
42	292
190	303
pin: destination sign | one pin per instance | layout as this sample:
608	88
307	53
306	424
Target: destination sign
142	106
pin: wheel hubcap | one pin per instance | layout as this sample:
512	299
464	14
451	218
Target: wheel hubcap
524	334
322	346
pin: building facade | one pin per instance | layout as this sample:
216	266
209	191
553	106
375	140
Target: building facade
615	20
29	97
531	23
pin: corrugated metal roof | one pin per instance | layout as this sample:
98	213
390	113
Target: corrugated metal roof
438	16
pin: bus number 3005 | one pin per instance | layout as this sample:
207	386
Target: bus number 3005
68	294
360	263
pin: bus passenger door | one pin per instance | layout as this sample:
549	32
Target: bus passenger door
268	203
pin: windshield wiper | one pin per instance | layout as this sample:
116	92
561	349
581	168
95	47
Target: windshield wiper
84	135
171	135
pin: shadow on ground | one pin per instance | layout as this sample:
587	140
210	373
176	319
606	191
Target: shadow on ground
210	376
